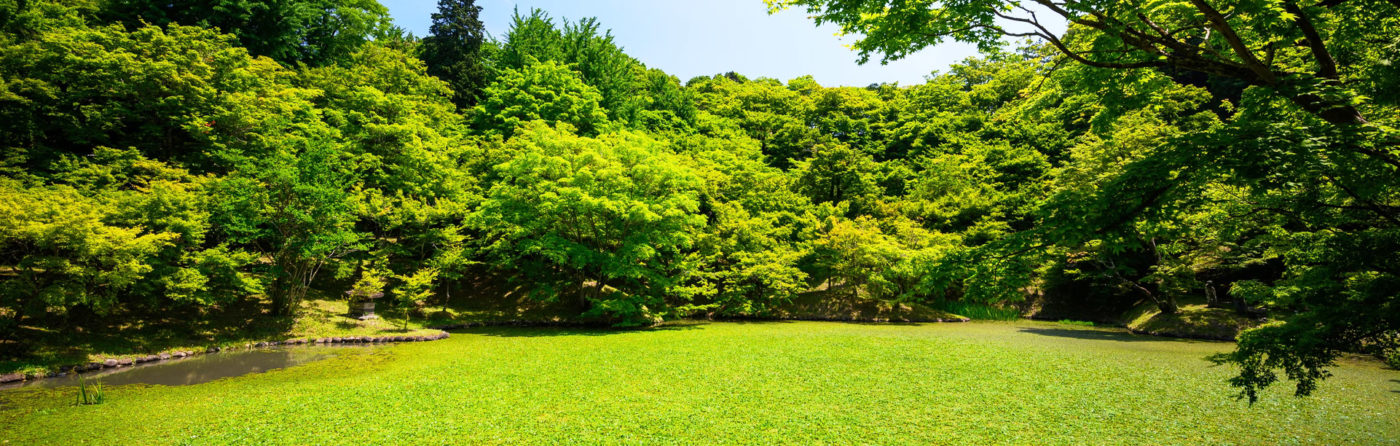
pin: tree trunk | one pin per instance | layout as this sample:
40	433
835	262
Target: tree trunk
1240	306
1166	304
290	286
280	294
582	292
446	293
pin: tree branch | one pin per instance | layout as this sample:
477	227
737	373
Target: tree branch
1049	36
1370	205
1327	66
1219	22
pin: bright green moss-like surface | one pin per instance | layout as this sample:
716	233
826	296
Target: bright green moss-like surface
771	382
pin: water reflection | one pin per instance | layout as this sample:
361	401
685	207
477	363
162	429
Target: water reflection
201	368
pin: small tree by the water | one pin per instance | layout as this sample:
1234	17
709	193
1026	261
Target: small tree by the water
413	290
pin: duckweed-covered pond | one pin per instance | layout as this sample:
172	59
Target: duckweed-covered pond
727	383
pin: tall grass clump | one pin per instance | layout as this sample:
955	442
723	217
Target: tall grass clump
1074	322
978	311
90	394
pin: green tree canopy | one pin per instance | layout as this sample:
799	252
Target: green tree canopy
544	91
314	32
608	219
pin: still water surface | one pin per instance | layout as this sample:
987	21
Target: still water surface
200	368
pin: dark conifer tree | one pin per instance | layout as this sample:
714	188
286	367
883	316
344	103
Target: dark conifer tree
452	49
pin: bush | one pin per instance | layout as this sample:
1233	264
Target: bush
978	311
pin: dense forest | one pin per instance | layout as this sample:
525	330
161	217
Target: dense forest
191	155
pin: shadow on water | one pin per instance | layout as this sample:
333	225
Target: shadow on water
535	332
754	321
891	323
202	368
1099	335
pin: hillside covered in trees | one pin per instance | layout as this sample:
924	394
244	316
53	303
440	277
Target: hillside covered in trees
159	155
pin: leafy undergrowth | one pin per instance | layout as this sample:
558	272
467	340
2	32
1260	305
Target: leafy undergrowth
494	300
840	305
142	335
1195	321
737	383
328	318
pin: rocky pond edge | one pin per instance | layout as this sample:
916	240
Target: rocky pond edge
114	363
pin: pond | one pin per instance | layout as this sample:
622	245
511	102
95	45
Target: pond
200	368
1017	382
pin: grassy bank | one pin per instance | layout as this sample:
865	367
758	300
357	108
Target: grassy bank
769	382
841	305
1192	320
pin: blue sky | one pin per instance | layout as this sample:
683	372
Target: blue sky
701	38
